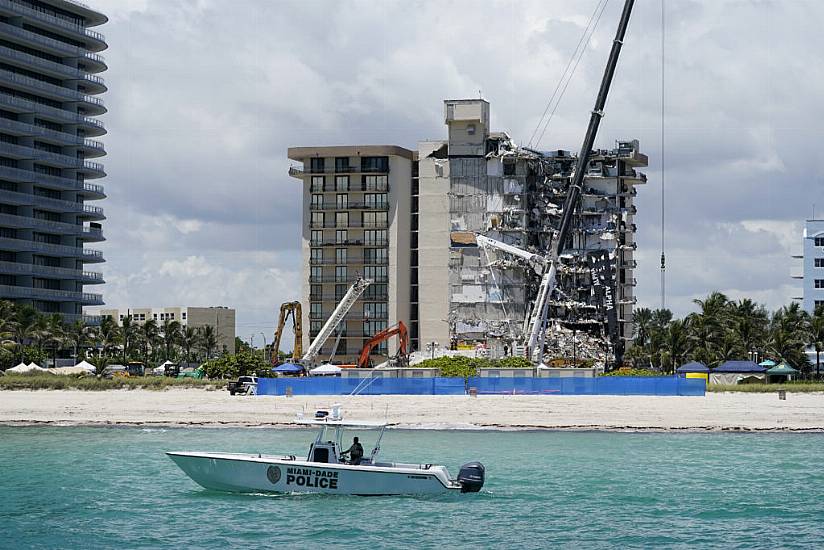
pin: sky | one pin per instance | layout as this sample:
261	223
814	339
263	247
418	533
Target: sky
205	97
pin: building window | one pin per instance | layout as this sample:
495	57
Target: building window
375	272
375	255
317	219
375	292
340	255
375	183
341	183
819	283
315	326
819	262
317	202
316	165
342	202
316	256
315	291
317	237
375	310
819	241
375	237
183	315
340	292
375	200
370	328
316	310
316	273
375	219
341	236
341	164
317	184
374	164
342	219
340	273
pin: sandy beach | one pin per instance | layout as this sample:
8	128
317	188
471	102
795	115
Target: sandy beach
194	407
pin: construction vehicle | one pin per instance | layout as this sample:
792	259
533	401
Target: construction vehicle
535	329
335	319
382	336
293	310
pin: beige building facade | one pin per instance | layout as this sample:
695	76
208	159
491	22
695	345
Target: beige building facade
221	318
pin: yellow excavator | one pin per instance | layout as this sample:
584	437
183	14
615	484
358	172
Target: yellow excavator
288	309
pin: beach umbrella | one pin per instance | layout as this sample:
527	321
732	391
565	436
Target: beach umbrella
692	366
288	368
328	368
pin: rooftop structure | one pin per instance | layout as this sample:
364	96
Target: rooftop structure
49	85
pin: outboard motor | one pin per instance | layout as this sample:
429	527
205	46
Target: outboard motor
471	477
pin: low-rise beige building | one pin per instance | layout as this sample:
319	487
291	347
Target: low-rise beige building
219	317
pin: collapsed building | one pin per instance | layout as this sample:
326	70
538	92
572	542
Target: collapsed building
516	195
408	221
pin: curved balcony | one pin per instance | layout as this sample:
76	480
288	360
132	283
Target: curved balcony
73	28
88	190
48	295
90	169
91	105
94	63
86	277
91	148
23	245
88	234
93	127
93	83
27	199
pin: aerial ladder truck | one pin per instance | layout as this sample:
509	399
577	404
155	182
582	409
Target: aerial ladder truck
537	321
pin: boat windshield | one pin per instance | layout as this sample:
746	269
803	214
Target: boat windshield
343	437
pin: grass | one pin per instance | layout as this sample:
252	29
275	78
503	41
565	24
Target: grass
792	387
92	383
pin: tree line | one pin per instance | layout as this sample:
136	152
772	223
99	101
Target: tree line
27	335
723	330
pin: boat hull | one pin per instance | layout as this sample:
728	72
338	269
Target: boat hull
254	473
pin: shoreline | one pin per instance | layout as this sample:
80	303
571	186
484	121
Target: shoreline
187	408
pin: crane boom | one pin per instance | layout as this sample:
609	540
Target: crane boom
514	250
335	319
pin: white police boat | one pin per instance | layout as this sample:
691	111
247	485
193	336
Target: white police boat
325	470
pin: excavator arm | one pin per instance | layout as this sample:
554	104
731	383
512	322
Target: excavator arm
288	309
386	334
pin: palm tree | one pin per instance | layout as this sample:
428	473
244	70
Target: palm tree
54	334
189	338
171	336
643	322
110	335
749	325
208	339
816	337
149	333
26	327
128	331
79	335
676	343
789	332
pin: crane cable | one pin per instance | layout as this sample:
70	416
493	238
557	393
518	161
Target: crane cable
663	159
566	76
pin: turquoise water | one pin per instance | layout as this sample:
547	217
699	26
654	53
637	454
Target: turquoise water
114	488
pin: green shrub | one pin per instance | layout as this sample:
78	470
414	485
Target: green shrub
512	363
92	383
232	366
633	372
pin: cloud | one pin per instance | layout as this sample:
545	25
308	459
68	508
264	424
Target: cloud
206	96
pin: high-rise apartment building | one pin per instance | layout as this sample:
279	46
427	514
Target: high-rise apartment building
48	100
477	181
356	216
813	258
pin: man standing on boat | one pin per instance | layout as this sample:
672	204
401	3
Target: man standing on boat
355	452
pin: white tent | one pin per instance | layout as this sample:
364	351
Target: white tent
327	369
22	368
69	370
86	365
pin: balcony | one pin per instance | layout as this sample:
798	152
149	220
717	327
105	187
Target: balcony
56	160
89	190
349	224
356	187
63	251
296	172
92	212
335	298
349	261
49	295
55	47
351	206
20	105
61	23
86	277
349	170
16	128
53	69
24	222
351	316
88	320
94	106
349	279
349	242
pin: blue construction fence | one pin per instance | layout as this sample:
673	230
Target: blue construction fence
608	385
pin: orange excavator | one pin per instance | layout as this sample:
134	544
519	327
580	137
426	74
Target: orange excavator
386	334
289	309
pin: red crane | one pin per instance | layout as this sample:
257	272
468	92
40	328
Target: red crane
385	334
